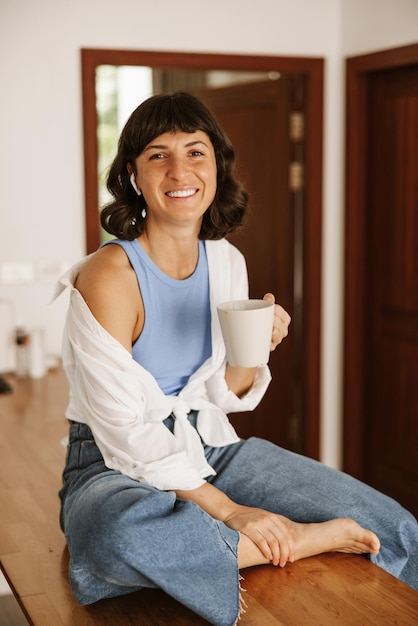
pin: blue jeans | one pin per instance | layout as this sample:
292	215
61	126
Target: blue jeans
124	535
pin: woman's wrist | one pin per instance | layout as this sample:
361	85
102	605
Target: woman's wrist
239	379
217	504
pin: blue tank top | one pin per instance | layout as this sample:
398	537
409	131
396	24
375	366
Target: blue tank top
176	337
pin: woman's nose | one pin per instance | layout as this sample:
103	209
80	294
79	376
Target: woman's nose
177	168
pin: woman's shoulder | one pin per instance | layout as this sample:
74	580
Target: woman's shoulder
107	261
108	285
107	276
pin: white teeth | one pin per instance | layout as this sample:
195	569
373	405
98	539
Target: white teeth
181	193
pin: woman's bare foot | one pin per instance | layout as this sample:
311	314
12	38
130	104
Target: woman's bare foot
338	535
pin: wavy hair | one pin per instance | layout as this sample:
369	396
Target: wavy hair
157	115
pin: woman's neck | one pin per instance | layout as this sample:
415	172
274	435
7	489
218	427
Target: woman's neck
175	256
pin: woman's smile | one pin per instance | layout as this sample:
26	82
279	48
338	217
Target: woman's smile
176	173
182	193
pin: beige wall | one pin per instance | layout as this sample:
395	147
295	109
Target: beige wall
41	178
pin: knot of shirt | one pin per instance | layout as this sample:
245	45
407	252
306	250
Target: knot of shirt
187	435
180	409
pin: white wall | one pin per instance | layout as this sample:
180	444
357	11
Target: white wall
369	25
41	176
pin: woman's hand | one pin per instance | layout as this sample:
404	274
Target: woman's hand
268	531
240	379
280	324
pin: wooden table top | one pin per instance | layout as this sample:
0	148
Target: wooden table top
329	589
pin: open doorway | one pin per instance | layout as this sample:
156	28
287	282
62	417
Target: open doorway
305	348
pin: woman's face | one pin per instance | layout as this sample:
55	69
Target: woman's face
176	173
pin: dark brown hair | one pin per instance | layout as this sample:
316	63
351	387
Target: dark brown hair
158	115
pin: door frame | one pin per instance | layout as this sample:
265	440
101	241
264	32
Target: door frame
358	73
313	70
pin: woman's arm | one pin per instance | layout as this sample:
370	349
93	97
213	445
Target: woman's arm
109	287
267	531
239	379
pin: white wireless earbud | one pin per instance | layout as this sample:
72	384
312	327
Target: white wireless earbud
133	183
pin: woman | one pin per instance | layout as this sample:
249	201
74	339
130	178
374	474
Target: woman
158	489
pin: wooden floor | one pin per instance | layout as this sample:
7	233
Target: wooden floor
330	589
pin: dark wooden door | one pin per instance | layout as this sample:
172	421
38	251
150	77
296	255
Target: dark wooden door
256	119
391	461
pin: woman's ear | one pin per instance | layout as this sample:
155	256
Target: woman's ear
133	183
132	178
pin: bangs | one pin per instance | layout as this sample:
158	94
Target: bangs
164	114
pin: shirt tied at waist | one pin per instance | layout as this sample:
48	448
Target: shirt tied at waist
188	437
212	428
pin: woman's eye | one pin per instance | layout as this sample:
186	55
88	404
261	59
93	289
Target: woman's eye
156	156
196	153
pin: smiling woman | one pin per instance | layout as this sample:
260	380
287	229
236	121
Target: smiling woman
176	175
154	477
158	145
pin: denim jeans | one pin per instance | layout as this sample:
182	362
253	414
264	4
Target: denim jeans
124	535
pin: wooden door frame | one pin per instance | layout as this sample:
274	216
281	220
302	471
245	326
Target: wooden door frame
358	72
313	70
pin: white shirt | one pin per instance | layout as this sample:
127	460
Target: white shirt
124	406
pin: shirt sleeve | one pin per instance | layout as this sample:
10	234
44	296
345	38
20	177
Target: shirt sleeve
218	392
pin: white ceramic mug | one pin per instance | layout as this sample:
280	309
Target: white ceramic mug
247	326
